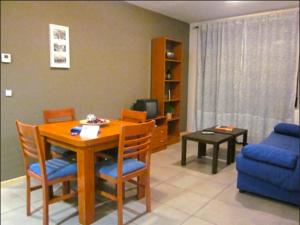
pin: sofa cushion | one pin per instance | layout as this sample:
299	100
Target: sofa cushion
282	141
287	129
281	177
271	155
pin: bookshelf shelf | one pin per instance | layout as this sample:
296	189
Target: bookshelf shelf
166	81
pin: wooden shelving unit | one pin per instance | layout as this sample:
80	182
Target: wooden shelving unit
167	91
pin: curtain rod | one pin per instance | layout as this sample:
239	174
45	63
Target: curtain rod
246	16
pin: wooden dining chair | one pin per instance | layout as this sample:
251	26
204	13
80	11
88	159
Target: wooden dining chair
133	161
59	115
126	115
48	172
133	116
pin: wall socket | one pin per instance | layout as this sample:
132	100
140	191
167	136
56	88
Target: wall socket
5	57
8	92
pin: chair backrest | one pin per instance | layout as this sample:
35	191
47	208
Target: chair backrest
135	142
31	145
58	115
133	116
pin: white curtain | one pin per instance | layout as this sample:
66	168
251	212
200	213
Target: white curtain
247	72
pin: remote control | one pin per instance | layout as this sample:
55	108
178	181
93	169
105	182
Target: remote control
207	132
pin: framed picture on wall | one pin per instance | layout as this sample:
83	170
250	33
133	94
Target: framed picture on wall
59	46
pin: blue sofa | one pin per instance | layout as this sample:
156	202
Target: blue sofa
272	167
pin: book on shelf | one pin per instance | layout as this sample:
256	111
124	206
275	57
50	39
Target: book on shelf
224	128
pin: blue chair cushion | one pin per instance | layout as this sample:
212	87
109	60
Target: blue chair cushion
288	129
65	153
271	155
55	168
110	168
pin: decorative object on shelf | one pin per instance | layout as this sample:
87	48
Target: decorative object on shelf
169	75
59	46
91	117
170	54
169	110
169	94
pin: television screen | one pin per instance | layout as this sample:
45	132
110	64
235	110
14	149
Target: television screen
148	105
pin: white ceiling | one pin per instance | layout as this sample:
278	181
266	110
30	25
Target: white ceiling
196	11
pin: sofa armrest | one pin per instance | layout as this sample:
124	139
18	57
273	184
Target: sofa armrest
287	129
271	155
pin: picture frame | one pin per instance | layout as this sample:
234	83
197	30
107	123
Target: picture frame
59	46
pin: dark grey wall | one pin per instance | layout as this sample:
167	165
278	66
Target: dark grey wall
110	52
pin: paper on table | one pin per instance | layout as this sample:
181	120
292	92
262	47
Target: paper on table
89	131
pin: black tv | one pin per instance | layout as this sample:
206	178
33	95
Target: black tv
148	105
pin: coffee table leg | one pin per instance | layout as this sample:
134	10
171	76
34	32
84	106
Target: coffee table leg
215	158
245	138
233	151
183	151
229	152
201	149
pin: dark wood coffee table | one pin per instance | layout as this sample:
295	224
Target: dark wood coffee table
235	133
203	139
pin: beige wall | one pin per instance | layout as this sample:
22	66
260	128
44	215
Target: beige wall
110	48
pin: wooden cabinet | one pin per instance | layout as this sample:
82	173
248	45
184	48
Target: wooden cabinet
159	139
166	76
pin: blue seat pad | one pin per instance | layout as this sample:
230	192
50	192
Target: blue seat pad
62	151
270	154
55	168
110	168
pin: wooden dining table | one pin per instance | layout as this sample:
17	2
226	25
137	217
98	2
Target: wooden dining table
59	134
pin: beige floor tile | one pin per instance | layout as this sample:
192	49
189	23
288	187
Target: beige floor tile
208	188
186	180
163	158
132	211
290	212
163	215
196	221
231	195
160	173
10	200
220	213
165	192
225	177
188	202
18	216
288	222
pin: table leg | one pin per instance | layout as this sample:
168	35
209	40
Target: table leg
183	151
201	149
86	186
215	158
245	138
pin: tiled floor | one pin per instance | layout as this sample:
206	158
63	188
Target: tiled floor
188	195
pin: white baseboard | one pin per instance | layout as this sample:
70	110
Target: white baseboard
12	181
